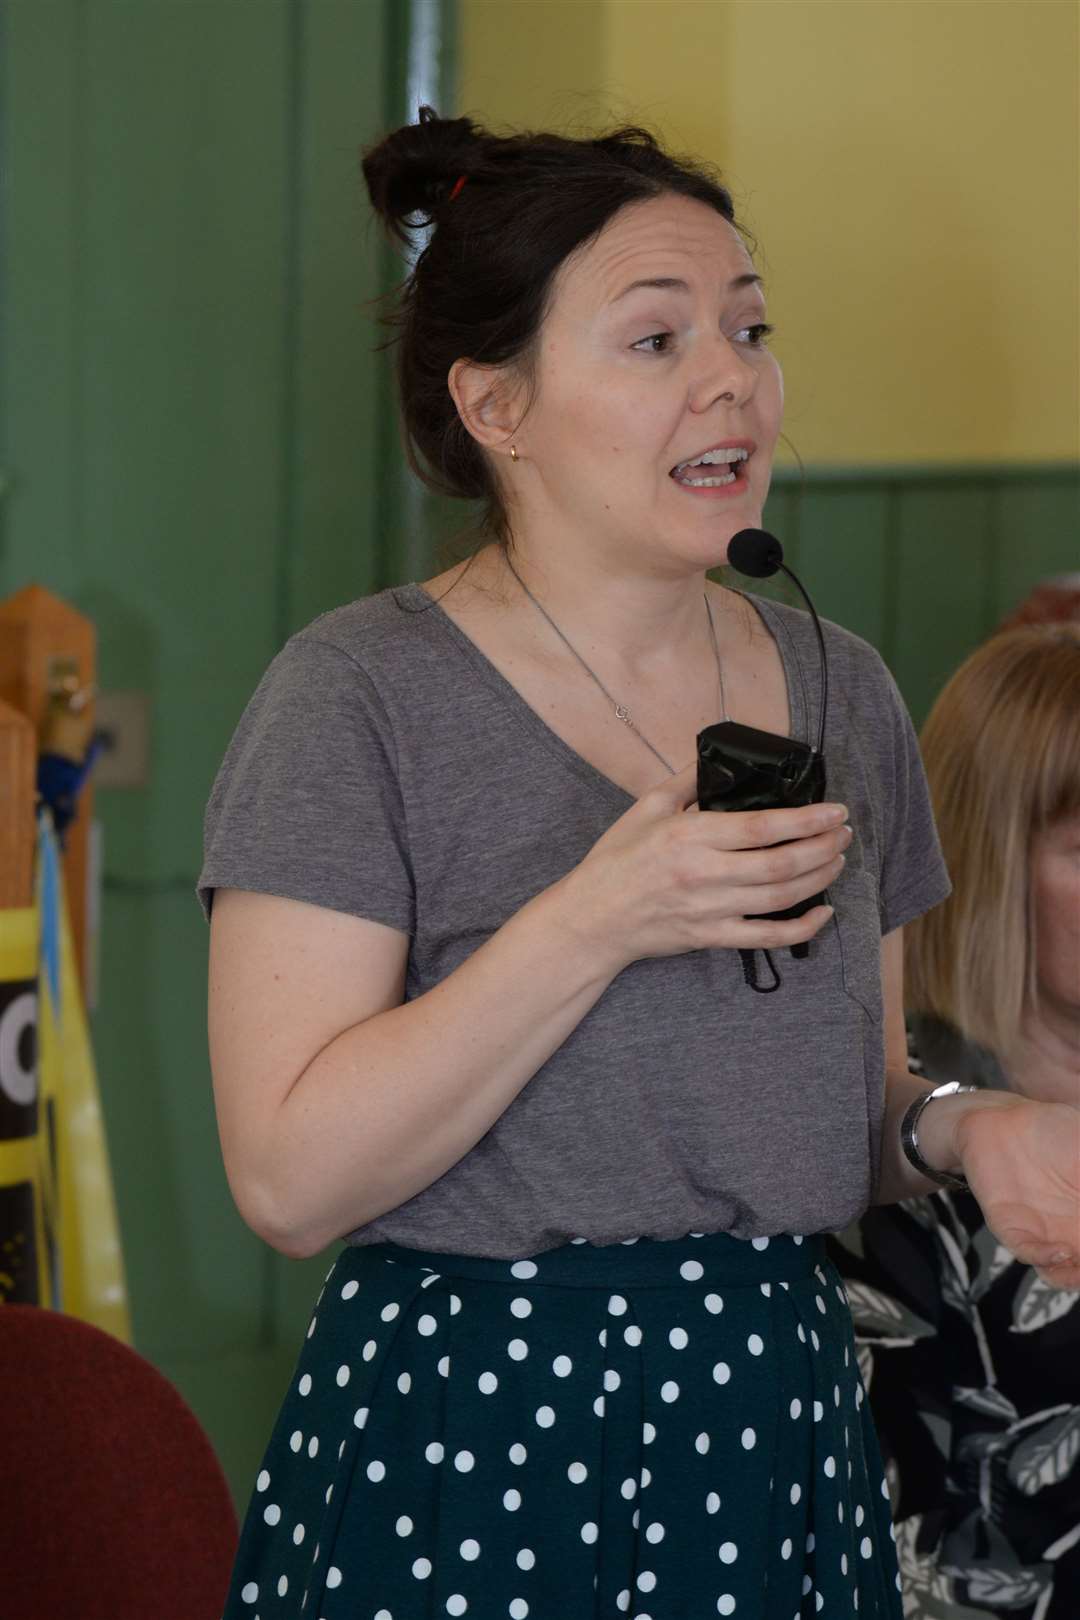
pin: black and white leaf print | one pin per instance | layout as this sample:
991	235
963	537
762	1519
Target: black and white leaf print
1045	1599
996	1575
1038	1303
994	1260
977	1543
917	1569
989	1401
865	1357
976	1447
921	1211
940	1430
1063	1544
938	1602
1004	1588
927	1593
1046	1456
954	1293
956	1283
878	1316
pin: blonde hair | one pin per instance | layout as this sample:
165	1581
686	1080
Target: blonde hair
1001	748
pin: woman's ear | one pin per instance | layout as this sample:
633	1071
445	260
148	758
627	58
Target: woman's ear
487	402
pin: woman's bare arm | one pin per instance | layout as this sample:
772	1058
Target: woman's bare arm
336	1102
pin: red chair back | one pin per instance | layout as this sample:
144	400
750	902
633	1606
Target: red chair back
113	1504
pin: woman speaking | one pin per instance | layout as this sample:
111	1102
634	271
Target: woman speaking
477	994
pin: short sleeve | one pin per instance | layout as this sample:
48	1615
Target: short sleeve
307	803
914	877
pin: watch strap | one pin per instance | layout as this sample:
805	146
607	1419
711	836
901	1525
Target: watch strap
909	1135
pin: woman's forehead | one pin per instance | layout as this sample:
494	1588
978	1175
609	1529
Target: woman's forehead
664	238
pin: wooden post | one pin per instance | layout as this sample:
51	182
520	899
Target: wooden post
18	766
47	673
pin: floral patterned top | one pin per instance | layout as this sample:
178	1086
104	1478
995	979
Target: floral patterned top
972	1363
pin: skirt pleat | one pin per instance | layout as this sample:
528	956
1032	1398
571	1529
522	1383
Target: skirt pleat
657	1430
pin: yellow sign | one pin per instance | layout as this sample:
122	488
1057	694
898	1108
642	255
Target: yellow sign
59	1238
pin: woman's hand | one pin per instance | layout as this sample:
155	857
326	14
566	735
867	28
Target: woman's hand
1022	1161
662	881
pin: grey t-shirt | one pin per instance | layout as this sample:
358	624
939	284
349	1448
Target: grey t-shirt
385	768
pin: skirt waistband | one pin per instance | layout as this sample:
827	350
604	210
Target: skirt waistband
702	1258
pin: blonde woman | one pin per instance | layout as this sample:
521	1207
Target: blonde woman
973	1358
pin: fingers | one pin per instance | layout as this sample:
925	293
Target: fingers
759	829
1061	1276
1056	1263
1058	1273
667	798
752	900
736	829
788	866
756	933
768	879
703	881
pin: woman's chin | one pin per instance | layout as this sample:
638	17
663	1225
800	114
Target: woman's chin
720	536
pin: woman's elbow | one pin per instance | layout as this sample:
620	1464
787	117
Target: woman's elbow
277	1219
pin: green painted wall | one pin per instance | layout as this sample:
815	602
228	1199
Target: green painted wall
198	451
925	562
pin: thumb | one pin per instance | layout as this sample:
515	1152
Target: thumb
669	797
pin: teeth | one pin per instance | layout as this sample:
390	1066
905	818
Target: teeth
707	483
714	458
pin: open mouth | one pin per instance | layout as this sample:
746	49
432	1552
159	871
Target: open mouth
713	470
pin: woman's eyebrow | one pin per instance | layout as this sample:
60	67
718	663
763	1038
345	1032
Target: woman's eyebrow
674	284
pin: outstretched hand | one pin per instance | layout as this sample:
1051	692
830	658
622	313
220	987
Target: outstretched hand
1022	1162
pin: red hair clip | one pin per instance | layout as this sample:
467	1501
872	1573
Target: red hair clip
458	184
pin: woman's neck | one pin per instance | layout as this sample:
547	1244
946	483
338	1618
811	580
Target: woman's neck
639	621
1046	1065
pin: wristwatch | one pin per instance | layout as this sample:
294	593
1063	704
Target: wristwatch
909	1139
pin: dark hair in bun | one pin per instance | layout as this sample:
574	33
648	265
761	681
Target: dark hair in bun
480	285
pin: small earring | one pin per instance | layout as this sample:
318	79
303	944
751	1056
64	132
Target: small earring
513	452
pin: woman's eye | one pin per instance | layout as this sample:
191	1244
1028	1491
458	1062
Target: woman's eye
751	337
658	342
754	336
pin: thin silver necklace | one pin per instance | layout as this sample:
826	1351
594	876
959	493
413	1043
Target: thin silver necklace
621	711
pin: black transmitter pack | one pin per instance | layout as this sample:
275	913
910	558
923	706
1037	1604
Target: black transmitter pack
741	768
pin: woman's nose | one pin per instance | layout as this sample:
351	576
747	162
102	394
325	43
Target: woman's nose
724	374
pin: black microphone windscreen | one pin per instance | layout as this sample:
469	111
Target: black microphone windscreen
755	552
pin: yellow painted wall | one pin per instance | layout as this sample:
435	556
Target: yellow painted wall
910	168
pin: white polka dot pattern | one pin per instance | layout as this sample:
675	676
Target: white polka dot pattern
528	1409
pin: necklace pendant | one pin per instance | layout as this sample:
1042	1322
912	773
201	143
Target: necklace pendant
623	713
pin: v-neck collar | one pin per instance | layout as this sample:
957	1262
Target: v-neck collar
416	599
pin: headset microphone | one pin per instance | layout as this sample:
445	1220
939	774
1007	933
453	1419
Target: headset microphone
757	554
741	768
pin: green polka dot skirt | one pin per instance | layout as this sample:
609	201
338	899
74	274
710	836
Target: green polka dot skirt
656	1430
